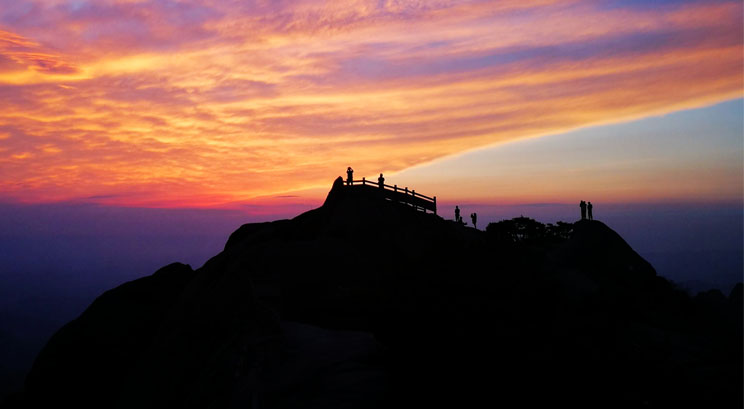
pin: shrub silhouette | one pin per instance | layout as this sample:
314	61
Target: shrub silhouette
525	230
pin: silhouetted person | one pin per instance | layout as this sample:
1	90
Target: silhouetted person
349	176
381	181
474	218
457	214
589	211
582	205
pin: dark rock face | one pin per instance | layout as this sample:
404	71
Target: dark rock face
368	303
87	360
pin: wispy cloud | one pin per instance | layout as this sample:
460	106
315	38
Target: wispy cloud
198	103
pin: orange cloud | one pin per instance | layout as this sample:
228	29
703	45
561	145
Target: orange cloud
155	102
27	57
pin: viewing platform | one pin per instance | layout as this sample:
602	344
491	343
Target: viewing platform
396	194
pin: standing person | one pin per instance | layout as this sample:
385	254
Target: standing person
349	176
457	214
582	205
589	210
381	181
474	218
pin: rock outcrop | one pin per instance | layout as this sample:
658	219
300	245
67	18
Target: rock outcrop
364	302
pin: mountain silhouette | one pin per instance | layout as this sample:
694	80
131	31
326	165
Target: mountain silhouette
365	302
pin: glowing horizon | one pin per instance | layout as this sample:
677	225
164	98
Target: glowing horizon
188	104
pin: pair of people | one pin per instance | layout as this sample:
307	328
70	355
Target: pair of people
473	217
350	178
586	210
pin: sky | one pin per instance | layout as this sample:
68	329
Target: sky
693	156
136	133
196	104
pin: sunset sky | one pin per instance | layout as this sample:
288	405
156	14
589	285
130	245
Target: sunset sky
165	103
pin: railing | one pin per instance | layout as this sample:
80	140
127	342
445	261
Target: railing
403	195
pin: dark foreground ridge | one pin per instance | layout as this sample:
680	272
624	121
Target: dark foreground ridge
367	303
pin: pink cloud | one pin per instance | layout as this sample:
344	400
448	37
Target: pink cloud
202	102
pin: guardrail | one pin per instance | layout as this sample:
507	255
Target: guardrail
402	195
